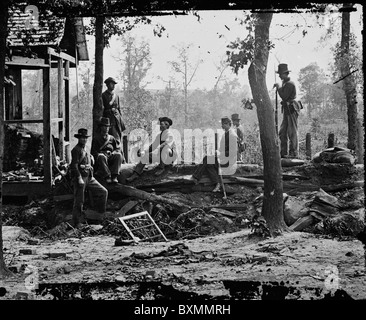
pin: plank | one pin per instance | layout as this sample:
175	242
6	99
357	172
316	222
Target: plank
224	212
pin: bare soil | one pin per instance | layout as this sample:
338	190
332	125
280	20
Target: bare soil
215	257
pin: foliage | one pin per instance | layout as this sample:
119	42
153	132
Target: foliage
119	26
312	84
259	227
138	103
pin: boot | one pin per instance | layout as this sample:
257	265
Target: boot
217	188
133	177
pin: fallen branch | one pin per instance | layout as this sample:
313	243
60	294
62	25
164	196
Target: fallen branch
140	194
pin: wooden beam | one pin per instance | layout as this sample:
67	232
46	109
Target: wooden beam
47	165
67	112
60	107
27	63
23	121
61	55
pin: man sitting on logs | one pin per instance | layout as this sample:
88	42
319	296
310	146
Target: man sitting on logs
166	153
82	177
224	160
107	152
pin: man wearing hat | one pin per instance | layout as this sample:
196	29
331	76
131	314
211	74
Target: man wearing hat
107	153
238	128
82	178
112	109
224	158
290	109
166	150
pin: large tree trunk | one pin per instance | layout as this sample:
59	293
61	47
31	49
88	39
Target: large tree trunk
272	209
4	6
98	77
349	85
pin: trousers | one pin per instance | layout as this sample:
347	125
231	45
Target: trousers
107	166
165	156
288	134
212	169
98	192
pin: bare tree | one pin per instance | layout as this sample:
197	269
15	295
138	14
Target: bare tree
255	49
272	209
349	85
187	71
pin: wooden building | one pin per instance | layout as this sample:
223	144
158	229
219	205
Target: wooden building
40	42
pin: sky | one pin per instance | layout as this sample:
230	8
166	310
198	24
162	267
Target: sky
215	30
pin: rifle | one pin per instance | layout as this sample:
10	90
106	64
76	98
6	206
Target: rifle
276	108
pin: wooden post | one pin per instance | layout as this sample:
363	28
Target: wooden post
360	150
47	164
60	80
308	146
67	112
331	140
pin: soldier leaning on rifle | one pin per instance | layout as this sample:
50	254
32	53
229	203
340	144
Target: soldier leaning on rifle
82	178
290	109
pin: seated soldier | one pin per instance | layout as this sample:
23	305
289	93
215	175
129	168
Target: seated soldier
82	177
225	157
107	153
166	153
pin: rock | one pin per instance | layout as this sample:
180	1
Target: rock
294	209
12	233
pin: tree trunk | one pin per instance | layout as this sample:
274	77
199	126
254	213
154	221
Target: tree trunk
272	209
98	76
4	6
349	85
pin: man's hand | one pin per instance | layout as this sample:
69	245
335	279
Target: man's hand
276	85
140	153
80	181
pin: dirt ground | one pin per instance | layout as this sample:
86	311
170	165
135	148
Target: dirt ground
211	257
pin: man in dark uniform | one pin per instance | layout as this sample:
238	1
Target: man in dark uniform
112	109
82	178
290	109
107	153
166	150
238	128
224	158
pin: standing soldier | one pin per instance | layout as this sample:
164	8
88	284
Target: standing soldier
112	109
290	109
239	130
82	178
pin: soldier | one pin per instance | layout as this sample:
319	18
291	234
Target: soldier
225	157
165	144
106	150
82	178
290	109
238	128
112	109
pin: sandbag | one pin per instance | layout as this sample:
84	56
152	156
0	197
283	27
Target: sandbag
334	155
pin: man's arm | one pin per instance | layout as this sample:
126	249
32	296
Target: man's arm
74	165
288	91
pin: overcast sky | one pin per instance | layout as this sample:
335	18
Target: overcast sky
214	32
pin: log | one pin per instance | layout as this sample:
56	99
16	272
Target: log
291	162
293	190
127	207
302	223
140	194
224	212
